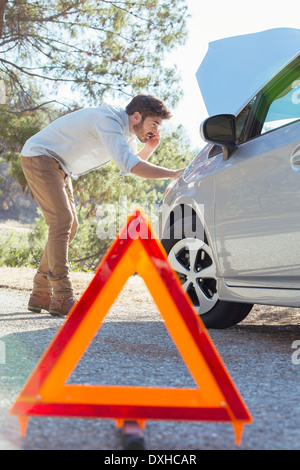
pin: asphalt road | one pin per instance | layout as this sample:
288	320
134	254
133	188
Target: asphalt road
135	349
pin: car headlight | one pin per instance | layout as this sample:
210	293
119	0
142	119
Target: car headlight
170	186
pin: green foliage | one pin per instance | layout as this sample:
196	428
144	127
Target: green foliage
16	250
99	47
23	248
15	129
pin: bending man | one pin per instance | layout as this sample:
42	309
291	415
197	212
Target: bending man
72	146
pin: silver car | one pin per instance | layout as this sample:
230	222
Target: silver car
231	224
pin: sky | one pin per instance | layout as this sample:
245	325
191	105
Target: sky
212	20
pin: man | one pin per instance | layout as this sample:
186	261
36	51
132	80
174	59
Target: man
72	146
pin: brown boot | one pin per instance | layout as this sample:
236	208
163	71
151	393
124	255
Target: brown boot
39	301
61	306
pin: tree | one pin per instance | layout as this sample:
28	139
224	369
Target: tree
100	47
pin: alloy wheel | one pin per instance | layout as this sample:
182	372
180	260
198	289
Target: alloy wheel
192	260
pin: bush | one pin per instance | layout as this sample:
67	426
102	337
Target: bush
16	250
25	249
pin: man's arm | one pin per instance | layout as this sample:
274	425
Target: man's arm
148	170
145	169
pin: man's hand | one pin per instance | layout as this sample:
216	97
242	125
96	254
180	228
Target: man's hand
153	142
178	173
149	146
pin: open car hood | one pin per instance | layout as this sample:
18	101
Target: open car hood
236	68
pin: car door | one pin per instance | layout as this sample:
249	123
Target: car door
257	206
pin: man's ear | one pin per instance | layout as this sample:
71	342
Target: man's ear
137	117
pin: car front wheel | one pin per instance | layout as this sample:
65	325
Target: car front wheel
193	261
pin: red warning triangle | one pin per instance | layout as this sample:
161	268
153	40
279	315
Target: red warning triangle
216	398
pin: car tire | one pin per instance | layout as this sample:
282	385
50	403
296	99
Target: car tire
200	283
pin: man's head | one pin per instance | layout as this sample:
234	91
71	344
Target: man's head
146	113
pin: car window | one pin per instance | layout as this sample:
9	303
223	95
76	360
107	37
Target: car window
276	105
284	109
278	102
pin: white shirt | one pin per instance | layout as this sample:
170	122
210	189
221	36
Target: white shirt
87	139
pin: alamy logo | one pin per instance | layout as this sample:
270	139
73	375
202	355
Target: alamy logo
296	93
296	354
112	217
2	92
2	352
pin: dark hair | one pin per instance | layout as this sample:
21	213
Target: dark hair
148	105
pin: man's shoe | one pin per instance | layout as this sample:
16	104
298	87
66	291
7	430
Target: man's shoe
39	301
61	306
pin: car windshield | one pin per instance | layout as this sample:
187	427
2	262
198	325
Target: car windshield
285	108
276	105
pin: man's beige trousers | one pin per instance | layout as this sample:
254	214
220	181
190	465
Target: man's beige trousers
51	188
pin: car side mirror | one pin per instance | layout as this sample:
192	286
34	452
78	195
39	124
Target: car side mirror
220	130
